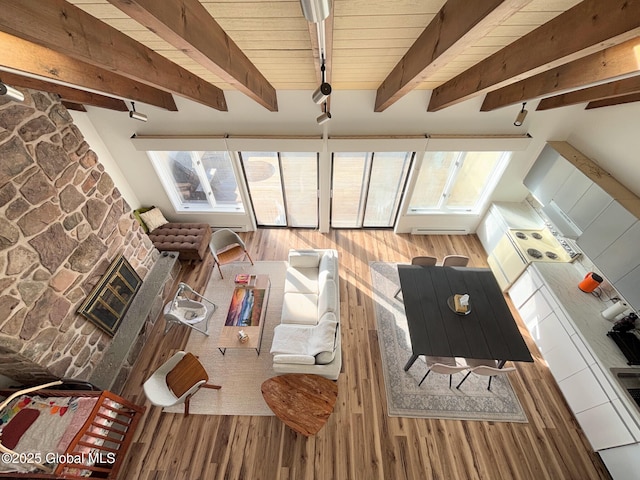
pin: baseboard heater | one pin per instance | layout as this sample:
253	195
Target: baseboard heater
439	231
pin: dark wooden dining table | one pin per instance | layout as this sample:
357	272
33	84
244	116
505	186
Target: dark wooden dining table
488	331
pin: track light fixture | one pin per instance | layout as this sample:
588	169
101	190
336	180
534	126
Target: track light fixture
12	93
325	117
137	115
324	90
522	114
315	11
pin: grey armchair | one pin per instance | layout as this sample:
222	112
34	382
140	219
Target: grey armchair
226	247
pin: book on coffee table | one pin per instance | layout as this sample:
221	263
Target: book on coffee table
243	278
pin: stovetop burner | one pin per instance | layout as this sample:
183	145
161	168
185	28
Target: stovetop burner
551	255
536	235
534	253
521	236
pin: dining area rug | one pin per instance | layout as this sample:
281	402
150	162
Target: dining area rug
240	372
434	398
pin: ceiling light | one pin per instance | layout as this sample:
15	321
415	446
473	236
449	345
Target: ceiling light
522	114
321	93
325	117
137	115
315	11
12	93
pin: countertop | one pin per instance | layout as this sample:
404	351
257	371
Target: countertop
584	310
519	215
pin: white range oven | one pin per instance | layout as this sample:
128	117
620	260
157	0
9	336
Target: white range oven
518	248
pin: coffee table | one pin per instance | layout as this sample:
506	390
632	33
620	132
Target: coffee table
302	401
247	312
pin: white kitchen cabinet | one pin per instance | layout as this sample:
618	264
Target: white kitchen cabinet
491	229
549	172
605	229
589	206
563	359
622	462
582	391
603	427
534	311
575	187
629	287
621	256
524	287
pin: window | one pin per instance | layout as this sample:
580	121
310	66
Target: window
367	188
198	181
283	187
456	182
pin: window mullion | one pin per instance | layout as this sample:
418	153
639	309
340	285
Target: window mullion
456	167
196	160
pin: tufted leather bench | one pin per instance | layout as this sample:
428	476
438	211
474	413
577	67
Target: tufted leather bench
191	240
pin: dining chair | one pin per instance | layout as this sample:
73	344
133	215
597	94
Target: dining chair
455	261
423	261
226	247
442	365
176	381
485	368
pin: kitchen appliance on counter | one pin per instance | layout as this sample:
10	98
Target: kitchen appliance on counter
520	247
629	345
590	282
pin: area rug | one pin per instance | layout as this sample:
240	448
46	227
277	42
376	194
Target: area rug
434	398
239	372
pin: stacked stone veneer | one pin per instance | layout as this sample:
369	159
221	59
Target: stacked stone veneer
62	222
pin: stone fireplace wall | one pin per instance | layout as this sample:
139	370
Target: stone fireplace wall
62	222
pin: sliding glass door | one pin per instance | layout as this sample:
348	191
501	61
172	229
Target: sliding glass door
367	188
283	188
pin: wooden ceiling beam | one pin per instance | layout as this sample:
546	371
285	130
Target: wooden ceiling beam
27	57
454	28
604	65
68	94
78	107
65	28
188	26
634	97
591	94
586	28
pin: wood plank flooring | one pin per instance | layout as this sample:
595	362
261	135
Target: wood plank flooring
359	441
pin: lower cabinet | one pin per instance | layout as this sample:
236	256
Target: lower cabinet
595	404
623	462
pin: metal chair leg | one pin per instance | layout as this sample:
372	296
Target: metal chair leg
395	295
425	376
462	381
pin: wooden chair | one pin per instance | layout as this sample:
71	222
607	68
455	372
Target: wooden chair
176	381
226	247
442	365
424	261
486	368
455	261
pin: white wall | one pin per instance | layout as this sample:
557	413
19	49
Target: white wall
353	115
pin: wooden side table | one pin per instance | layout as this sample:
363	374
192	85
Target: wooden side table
303	402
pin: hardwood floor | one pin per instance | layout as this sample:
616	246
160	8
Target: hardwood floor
359	441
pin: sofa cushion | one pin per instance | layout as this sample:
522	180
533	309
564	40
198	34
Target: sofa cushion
304	259
322	342
301	280
297	359
329	265
300	308
328	298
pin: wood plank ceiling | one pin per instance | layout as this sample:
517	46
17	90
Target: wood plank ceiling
390	46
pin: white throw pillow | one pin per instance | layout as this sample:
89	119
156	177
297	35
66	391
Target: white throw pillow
304	259
153	219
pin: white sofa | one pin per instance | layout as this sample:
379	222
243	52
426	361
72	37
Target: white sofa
308	337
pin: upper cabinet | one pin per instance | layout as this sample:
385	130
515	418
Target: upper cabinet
618	259
574	188
549	172
591	204
629	287
604	230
